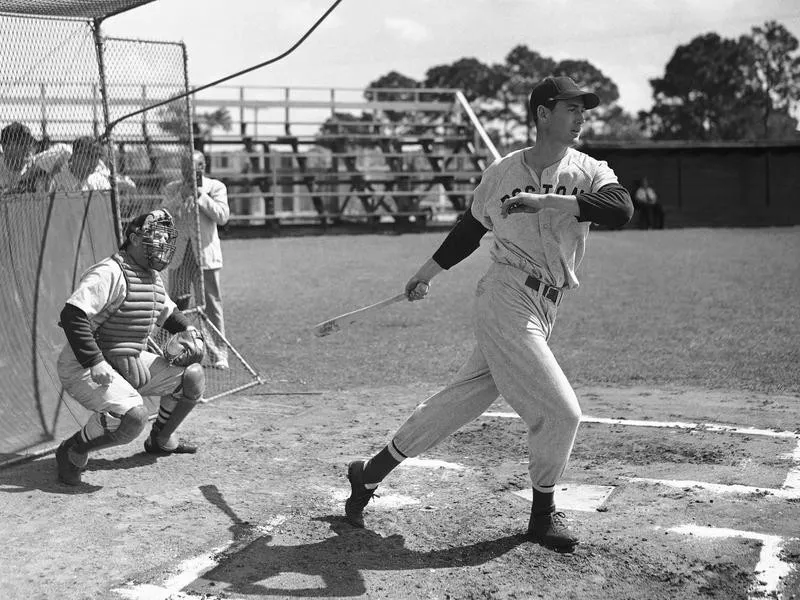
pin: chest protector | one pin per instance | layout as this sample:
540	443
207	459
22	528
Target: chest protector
123	336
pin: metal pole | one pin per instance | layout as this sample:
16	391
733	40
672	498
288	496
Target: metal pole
99	46
189	102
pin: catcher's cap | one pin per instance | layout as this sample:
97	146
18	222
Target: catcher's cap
159	216
16	132
551	89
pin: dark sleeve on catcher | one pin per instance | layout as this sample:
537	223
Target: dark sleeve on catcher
79	335
462	241
176	322
611	206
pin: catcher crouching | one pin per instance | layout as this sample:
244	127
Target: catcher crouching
105	365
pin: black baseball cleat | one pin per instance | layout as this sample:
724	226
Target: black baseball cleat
151	447
359	495
551	530
68	472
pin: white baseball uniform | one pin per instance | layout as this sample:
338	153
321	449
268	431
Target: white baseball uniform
513	321
99	295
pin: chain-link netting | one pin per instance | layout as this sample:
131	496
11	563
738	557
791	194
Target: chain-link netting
79	9
68	185
153	148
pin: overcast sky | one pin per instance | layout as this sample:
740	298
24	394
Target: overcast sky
631	41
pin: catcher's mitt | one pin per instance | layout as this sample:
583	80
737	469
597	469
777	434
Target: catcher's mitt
185	348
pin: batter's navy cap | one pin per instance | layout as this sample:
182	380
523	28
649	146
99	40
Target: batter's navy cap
551	89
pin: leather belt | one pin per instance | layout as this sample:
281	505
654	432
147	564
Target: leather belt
549	292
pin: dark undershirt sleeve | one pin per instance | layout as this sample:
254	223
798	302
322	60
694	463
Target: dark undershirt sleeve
610	206
462	241
176	322
79	335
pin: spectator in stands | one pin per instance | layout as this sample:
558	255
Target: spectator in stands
210	203
651	213
78	168
16	159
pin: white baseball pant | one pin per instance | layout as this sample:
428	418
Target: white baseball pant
512	359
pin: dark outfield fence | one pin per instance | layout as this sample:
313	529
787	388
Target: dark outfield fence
48	240
747	184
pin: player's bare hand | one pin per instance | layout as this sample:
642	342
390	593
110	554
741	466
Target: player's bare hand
102	373
524	202
417	289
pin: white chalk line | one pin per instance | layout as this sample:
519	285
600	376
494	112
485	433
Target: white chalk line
769	569
188	571
791	485
432	463
713	427
769	564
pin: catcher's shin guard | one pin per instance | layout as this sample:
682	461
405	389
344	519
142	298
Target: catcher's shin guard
173	411
104	430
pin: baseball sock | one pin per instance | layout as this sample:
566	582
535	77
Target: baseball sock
380	465
543	503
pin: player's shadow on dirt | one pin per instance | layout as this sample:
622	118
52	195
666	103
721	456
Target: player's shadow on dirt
338	561
134	461
39	475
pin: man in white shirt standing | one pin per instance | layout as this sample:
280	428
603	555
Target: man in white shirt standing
211	205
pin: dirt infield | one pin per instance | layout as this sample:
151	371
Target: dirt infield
257	513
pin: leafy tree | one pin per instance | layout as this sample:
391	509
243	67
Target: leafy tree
380	91
722	89
482	86
524	68
774	77
341	131
218	119
475	79
609	120
173	119
702	84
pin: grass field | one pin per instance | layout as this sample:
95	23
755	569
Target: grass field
699	307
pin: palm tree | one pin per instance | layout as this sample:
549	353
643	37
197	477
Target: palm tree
209	121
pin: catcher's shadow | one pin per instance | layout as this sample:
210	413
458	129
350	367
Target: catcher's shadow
39	474
134	461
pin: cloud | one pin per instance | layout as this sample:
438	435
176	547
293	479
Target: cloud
407	29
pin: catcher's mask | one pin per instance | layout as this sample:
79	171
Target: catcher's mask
158	234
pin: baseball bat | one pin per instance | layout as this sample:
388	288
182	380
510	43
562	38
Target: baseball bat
336	323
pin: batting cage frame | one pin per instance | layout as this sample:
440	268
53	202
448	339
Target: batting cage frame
95	130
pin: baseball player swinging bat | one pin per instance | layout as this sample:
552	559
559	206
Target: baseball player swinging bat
336	323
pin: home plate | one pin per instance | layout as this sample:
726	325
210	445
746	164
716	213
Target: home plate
575	496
